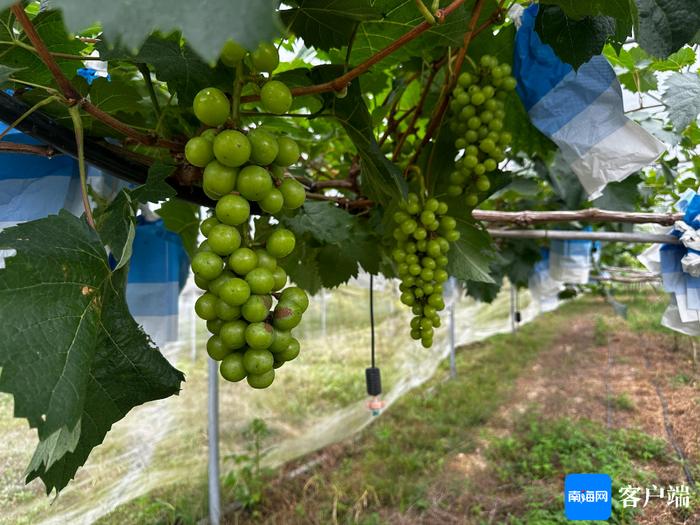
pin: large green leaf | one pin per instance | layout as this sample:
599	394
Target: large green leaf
175	63
337	265
398	18
182	218
666	25
471	255
576	41
72	356
115	95
324	221
326	24
577	9
682	98
563	181
156	188
205	26
621	196
49	25
303	268
381	179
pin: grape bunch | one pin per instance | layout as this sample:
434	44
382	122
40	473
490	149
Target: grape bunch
250	337
423	233
478	110
248	310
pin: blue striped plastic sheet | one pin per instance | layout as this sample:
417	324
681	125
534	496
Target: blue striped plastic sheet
570	260
581	111
31	186
157	273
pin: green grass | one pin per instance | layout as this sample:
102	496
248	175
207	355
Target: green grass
398	457
542	450
621	402
600	336
645	309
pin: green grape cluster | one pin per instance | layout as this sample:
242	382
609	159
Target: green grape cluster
248	310
423	233
251	335
478	110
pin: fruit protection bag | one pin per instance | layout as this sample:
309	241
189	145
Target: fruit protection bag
570	260
679	266
543	288
580	110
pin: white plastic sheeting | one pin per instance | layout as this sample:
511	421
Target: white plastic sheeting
316	400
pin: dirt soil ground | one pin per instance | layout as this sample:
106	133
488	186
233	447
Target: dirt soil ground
614	376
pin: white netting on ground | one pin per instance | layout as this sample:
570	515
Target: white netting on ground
316	400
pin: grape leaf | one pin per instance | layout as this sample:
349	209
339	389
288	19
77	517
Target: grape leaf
684	57
336	265
156	188
322	220
380	178
563	181
205	28
326	24
471	255
174	63
666	25
577	9
117	228
620	195
302	267
682	98
576	41
6	72
398	18
182	218
49	25
72	356
115	95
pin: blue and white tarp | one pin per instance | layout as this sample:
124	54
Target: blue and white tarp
33	187
157	273
581	111
543	288
679	266
570	260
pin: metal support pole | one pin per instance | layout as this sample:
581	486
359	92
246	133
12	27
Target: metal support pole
517	308
193	334
213	435
453	365
512	307
323	313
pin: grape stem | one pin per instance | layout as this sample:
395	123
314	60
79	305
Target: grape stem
78	127
236	95
425	12
439	113
342	81
419	110
30	149
146	73
31	110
